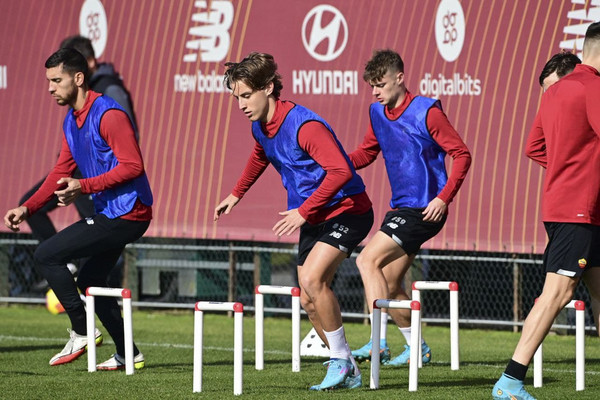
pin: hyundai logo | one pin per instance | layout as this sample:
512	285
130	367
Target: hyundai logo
314	33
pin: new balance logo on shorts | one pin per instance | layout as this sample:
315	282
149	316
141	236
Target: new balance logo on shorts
336	235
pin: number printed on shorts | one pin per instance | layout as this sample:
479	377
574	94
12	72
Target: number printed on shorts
396	221
399	220
341	228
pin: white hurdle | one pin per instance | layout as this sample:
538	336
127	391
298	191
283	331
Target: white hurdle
579	307
259	305
238	309
90	311
417	286
415	324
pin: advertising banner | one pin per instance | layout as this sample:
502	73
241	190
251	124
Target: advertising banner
481	58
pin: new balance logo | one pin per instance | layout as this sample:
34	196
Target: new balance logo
211	39
3	80
587	12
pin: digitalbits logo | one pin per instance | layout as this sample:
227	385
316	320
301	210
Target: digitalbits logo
314	32
450	29
93	25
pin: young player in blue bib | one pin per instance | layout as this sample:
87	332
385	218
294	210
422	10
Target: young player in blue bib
414	136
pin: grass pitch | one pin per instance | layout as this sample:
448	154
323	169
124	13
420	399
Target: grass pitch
30	336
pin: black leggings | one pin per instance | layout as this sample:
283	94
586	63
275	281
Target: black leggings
98	241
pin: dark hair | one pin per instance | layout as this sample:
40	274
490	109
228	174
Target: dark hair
562	63
380	63
71	60
79	43
257	70
593	32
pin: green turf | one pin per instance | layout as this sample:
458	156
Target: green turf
29	336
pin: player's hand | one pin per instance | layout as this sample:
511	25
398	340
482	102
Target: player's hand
225	206
288	225
68	195
435	210
14	217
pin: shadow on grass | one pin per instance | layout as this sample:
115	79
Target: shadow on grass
19	373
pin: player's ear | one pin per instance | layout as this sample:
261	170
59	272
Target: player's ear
400	78
269	88
79	78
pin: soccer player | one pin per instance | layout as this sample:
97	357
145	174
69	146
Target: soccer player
557	66
99	139
564	139
326	199
103	79
414	135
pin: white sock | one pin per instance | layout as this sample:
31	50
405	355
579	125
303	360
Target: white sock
354	364
383	326
338	348
407	335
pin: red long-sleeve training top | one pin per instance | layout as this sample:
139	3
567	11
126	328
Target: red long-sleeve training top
441	131
116	130
565	139
319	143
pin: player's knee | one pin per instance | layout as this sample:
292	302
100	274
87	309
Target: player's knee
44	257
311	285
560	296
365	264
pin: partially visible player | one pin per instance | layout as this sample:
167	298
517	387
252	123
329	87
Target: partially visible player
414	135
557	66
565	141
326	199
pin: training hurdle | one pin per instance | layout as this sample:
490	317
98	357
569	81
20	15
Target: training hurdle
90	311
238	309
417	286
259	306
415	325
579	307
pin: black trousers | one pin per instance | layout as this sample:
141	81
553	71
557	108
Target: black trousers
99	240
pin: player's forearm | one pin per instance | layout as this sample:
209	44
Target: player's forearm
65	165
458	173
256	165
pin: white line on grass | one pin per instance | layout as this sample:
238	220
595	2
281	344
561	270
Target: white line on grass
248	350
174	345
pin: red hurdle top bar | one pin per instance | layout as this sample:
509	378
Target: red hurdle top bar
270	289
219	306
387	303
109	292
435	285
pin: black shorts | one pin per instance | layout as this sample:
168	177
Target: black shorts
343	232
571	248
407	228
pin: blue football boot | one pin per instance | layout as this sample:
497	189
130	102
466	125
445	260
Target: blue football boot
338	370
404	358
364	353
508	388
